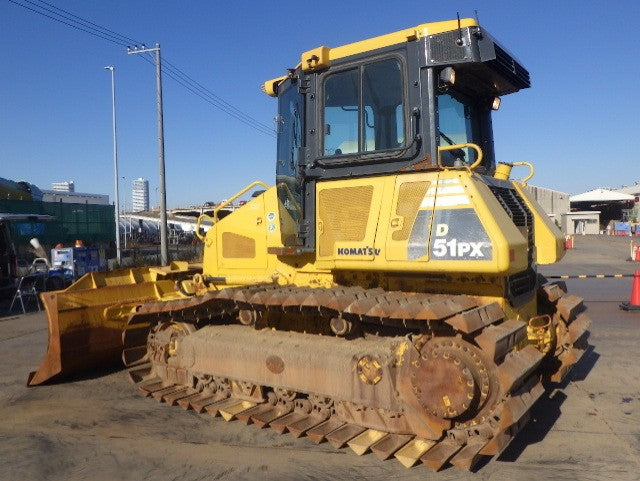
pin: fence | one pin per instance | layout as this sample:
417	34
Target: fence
92	223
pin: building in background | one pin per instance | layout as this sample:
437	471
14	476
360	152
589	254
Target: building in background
554	202
71	216
67	186
74	197
140	195
608	204
633	213
65	192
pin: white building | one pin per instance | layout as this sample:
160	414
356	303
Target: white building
67	186
140	195
74	197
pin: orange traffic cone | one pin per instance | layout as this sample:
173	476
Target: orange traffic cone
634	301
637	253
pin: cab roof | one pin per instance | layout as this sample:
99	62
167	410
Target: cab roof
321	57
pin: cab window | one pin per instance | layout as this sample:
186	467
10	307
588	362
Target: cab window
364	109
457	124
290	128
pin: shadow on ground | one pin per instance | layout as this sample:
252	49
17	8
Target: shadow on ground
547	410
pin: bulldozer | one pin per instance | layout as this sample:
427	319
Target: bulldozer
383	294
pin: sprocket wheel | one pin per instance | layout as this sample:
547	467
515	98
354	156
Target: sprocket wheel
451	379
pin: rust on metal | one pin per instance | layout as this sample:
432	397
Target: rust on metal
498	340
344	434
86	320
452	380
387	446
476	318
569	306
275	364
438	456
369	370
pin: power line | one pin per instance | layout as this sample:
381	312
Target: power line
65	23
245	119
215	99
128	39
175	73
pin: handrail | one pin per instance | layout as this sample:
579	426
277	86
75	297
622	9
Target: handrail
475	147
214	218
528	164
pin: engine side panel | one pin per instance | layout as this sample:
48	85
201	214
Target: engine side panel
441	222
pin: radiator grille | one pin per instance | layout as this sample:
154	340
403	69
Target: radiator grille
235	246
522	282
344	213
410	195
520	214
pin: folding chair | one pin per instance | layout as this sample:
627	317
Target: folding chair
27	287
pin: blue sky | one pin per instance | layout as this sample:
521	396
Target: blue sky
578	123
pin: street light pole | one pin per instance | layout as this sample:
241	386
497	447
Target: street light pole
164	248
124	224
115	163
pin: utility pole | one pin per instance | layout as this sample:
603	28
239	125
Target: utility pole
115	163
164	248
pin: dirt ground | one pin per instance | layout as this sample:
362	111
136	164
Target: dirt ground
97	427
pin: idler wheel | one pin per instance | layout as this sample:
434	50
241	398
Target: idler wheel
162	340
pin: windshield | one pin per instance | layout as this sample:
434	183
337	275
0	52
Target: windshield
458	123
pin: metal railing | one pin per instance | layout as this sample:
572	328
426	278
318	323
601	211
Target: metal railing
214	218
475	147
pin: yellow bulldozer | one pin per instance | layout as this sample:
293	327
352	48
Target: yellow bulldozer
383	294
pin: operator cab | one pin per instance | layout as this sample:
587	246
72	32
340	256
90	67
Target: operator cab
416	99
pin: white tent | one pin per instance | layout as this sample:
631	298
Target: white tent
601	195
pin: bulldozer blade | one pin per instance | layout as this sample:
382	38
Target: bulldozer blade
86	320
72	350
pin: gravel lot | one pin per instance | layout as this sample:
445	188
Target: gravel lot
97	427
